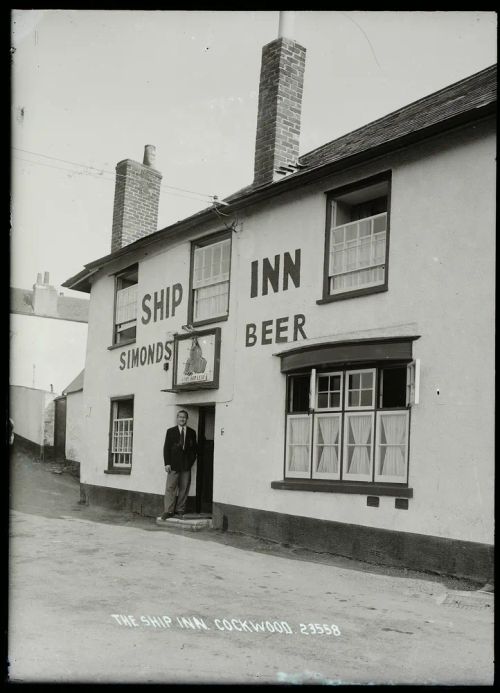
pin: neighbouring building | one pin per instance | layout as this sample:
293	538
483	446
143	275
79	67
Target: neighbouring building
33	412
329	329
48	335
74	435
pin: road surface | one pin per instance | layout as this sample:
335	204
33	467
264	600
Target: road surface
99	596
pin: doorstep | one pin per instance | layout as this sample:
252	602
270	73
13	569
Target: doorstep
191	521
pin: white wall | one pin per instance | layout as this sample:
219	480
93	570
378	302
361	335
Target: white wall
56	347
441	275
74	426
29	408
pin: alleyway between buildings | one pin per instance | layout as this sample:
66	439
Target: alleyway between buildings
101	596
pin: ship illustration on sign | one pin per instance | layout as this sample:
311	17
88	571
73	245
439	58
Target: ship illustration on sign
195	362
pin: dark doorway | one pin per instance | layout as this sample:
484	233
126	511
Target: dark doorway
205	467
60	428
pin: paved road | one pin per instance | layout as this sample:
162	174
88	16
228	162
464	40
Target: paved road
97	596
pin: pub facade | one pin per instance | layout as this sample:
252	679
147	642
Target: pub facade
329	329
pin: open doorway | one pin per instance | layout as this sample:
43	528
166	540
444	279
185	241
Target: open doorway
205	465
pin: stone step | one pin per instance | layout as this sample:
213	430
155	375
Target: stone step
193	523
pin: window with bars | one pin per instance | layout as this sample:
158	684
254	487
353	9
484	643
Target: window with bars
125	319
349	424
122	433
357	231
210	279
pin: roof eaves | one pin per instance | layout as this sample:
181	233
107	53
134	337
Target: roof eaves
251	195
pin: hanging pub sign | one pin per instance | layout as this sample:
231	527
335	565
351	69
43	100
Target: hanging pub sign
196	360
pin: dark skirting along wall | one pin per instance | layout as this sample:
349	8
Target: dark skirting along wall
463	559
147	504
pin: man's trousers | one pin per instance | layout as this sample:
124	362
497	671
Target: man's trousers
180	481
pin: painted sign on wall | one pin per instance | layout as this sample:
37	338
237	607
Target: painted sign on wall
278	275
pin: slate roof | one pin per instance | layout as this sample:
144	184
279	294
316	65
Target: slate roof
473	92
75	385
457	104
68	307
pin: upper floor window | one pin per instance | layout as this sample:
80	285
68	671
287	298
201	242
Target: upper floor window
210	271
357	234
125	322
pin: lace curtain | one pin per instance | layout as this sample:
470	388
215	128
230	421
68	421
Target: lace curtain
298	444
327	441
392	444
359	437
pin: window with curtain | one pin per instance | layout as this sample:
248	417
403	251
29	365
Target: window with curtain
210	280
125	321
357	230
348	425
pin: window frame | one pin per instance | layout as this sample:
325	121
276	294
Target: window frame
348	415
376	456
331	197
326	475
292	474
317	391
212	239
342	482
117	276
361	407
112	469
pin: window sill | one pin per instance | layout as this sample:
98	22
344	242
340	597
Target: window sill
209	321
122	344
118	471
353	294
360	487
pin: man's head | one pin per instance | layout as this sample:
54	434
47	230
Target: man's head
182	417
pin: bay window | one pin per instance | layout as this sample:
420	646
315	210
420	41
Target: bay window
349	424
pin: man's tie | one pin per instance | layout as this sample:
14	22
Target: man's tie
182	437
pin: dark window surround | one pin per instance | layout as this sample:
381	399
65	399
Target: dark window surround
122	344
332	195
336	485
116	275
111	469
199	243
333	486
372	352
348	352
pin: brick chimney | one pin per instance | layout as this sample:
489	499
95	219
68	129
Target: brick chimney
280	101
137	196
44	296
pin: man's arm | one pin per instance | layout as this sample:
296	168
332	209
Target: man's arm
166	450
194	445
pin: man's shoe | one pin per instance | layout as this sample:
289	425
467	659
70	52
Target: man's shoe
165	516
180	515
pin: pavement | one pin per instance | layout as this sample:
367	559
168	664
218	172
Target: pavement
97	596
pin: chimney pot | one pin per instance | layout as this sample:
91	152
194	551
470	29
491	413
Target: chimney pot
39	278
286	24
149	155
45	277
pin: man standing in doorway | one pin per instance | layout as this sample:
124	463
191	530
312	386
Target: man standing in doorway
179	453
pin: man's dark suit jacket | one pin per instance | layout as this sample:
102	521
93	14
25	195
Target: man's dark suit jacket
180	460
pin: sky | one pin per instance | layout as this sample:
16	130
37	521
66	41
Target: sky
92	87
